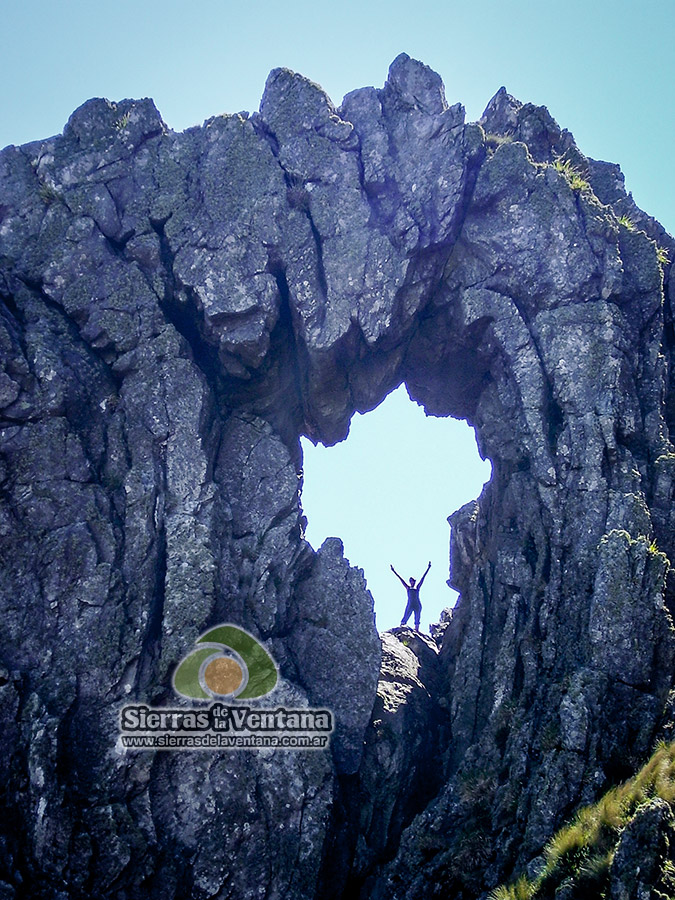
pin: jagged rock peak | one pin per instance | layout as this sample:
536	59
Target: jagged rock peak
176	310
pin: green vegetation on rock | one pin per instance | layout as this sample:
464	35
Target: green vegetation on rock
627	222
582	854
573	176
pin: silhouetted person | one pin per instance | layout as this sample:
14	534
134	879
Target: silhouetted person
413	605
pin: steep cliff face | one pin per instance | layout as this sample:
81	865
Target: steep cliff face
177	309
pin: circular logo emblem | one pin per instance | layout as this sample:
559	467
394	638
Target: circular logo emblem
227	662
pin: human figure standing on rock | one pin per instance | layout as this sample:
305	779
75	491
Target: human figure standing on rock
413	605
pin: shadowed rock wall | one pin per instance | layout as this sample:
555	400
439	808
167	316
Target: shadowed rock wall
177	309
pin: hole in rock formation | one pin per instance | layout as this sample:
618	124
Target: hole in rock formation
176	310
387	491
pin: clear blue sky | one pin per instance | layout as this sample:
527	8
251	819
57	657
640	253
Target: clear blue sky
605	70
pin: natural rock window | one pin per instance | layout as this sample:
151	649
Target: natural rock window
387	491
176	310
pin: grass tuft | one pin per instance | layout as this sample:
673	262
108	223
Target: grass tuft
519	890
48	194
662	256
572	175
627	222
123	121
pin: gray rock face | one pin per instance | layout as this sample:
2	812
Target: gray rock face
637	869
335	626
175	311
401	769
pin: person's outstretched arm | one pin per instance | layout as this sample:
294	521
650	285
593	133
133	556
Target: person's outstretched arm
398	576
419	583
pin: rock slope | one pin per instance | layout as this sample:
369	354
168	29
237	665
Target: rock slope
176	310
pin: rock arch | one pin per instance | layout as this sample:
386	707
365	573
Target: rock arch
177	310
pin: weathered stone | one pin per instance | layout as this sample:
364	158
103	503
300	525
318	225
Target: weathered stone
176	310
637	868
334	623
401	770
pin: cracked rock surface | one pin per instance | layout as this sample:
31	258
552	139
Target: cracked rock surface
176	310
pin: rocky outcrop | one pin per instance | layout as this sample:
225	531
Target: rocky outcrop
401	769
620	846
177	309
637	867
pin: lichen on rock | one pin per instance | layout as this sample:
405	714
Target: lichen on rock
176	311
